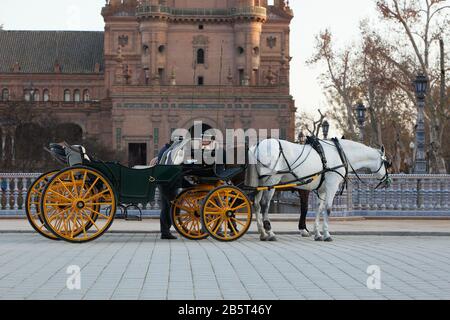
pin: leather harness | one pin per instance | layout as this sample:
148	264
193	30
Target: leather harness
314	142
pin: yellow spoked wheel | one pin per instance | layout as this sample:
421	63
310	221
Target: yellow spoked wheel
77	199
185	212
33	205
226	213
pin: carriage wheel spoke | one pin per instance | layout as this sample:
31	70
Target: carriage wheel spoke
54	192
90	188
233	228
65	187
74	184
96	196
100	214
240	222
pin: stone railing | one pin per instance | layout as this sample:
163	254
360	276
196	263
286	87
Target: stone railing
409	195
14	188
145	9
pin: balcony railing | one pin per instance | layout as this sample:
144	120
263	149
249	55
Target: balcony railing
147	9
409	195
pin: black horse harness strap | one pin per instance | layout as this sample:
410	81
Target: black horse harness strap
317	146
345	164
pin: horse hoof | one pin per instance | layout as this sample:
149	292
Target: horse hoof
318	238
272	239
263	238
329	239
305	234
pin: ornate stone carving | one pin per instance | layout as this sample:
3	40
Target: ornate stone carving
123	40
271	42
200	41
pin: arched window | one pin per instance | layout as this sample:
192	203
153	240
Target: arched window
76	96
36	95
86	95
5	95
27	95
67	96
200	56
146	49
46	95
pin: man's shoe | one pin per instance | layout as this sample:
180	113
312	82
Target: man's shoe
168	236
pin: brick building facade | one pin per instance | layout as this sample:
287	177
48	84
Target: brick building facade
159	65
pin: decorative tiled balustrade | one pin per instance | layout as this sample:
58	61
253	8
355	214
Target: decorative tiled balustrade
409	195
14	188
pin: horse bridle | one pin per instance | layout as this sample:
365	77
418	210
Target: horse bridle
386	180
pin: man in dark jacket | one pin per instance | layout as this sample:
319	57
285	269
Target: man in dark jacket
167	194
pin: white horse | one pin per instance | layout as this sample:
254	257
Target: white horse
303	161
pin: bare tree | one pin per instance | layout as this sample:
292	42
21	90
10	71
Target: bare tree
424	23
338	79
379	71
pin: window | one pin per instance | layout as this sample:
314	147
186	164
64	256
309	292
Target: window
145	49
27	95
201	27
67	96
240	50
200	56
241	76
46	95
161	75
201	81
256	51
5	95
76	96
36	95
161	48
86	95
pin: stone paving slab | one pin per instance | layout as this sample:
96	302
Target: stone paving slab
141	266
287	224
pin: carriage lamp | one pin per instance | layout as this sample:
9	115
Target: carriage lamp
325	129
420	85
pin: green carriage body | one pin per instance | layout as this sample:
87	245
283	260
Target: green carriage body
79	203
136	186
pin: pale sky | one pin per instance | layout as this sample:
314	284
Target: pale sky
311	16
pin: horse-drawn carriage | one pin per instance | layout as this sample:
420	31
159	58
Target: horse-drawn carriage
79	203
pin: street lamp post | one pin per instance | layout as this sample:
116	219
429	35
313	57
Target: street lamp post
412	147
361	118
420	163
325	129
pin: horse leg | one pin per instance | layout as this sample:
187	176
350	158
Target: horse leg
265	204
327	212
304	197
322	205
257	208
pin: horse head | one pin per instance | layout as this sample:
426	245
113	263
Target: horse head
382	173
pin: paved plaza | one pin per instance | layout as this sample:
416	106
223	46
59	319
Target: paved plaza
140	266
